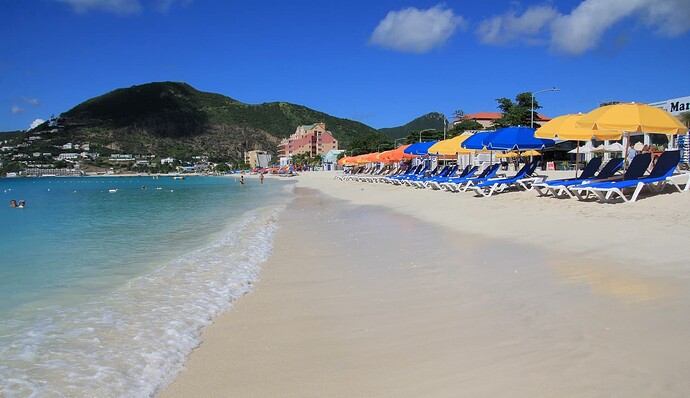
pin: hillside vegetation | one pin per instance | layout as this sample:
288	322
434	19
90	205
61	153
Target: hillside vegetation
171	118
433	120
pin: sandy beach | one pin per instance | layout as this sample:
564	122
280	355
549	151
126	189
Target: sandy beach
375	290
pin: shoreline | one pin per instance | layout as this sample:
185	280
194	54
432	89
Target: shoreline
378	291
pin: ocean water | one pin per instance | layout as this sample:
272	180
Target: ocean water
105	283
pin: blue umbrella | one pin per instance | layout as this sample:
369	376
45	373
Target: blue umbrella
516	138
419	148
478	141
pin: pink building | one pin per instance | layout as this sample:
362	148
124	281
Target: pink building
313	139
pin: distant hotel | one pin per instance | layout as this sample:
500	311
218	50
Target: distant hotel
311	139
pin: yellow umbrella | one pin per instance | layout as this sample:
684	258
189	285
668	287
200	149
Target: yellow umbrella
566	127
507	155
531	152
633	118
450	146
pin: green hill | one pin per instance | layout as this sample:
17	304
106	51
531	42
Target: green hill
174	119
431	120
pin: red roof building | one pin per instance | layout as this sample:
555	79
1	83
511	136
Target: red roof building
486	119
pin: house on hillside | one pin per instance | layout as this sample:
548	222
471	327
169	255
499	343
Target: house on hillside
312	139
486	119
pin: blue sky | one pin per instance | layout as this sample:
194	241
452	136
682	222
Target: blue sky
383	63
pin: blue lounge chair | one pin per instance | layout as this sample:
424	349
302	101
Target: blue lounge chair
561	188
638	166
607	173
426	174
443	174
462	184
436	184
520	179
657	179
410	172
587	173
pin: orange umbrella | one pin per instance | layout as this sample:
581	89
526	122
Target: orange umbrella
396	155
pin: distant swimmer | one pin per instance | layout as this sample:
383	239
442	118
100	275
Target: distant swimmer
21	203
13	203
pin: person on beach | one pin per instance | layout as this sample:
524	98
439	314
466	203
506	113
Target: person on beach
261	178
241	180
632	152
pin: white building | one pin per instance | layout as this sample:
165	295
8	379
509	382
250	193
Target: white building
68	156
674	106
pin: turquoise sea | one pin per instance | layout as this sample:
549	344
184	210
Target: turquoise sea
105	283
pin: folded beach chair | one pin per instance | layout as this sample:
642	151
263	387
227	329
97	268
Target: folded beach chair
521	179
562	188
462	184
657	179
468	171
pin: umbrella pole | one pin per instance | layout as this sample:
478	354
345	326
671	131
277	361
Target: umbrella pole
577	157
625	155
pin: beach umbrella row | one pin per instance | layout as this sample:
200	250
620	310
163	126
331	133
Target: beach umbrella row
610	122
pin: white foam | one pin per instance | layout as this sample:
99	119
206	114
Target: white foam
134	340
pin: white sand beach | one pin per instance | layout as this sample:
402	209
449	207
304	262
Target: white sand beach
375	290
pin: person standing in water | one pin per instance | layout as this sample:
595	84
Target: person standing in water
261	178
241	180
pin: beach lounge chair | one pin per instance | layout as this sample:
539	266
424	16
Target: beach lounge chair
520	179
444	173
468	171
412	171
426	174
561	188
636	169
462	184
657	179
587	173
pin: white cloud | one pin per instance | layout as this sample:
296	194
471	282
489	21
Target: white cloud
16	109
32	101
165	5
35	123
121	7
583	28
415	30
586	25
510	28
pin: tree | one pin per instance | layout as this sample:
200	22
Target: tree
516	114
424	135
458	114
685	118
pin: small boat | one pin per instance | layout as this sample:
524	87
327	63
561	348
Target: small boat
112	190
178	178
